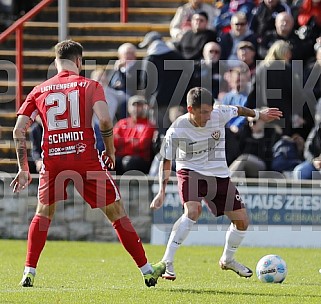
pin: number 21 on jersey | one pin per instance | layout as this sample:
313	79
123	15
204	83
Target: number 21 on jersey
59	100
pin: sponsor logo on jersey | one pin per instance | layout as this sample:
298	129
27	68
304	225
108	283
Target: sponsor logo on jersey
80	148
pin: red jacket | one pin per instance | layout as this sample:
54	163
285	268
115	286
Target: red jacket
134	138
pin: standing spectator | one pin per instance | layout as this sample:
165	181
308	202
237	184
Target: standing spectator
264	16
161	72
66	104
239	32
192	42
124	78
183	16
133	138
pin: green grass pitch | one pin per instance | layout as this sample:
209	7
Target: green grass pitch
82	272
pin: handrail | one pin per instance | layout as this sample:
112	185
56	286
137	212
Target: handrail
18	28
123	11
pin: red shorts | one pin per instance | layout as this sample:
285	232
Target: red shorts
93	183
220	194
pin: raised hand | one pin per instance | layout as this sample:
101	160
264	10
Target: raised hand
270	114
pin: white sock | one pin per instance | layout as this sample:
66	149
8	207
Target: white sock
147	268
179	233
29	270
233	239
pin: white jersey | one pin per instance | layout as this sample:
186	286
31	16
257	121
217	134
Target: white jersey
201	149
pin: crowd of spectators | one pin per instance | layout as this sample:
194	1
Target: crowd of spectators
250	53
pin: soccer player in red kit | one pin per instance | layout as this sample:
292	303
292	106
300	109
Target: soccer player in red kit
66	104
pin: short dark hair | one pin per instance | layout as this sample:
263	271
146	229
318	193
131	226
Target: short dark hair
201	13
68	49
198	96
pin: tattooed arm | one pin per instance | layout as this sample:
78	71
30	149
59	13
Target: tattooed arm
267	114
23	177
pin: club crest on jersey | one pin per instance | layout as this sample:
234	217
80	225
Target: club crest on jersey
216	135
80	148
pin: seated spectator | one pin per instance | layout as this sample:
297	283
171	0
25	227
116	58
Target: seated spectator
246	53
112	99
284	30
239	32
160	80
124	78
11	10
111	95
222	23
209	72
287	153
239	81
192	42
264	16
35	133
181	22
311	167
307	18
256	150
312	78
174	113
274	74
133	138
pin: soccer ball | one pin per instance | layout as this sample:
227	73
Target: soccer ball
271	269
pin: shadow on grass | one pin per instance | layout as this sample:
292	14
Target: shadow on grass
233	292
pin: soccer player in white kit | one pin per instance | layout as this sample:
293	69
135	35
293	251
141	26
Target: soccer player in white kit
196	140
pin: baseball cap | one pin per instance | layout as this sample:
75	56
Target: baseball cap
246	44
149	38
136	99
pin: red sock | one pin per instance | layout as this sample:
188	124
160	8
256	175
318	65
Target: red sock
130	240
37	237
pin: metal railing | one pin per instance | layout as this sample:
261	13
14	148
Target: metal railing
17	27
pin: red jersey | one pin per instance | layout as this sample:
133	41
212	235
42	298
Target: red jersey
65	105
134	138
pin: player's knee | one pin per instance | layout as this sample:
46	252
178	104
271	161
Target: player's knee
242	224
193	210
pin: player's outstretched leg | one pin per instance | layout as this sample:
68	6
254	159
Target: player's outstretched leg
237	267
169	272
150	279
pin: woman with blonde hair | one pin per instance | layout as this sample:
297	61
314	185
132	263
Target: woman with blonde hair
277	85
279	50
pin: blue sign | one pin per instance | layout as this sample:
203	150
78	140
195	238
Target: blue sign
265	206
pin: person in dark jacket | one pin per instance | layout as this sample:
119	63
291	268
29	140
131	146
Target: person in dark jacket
161	72
192	42
239	32
264	16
